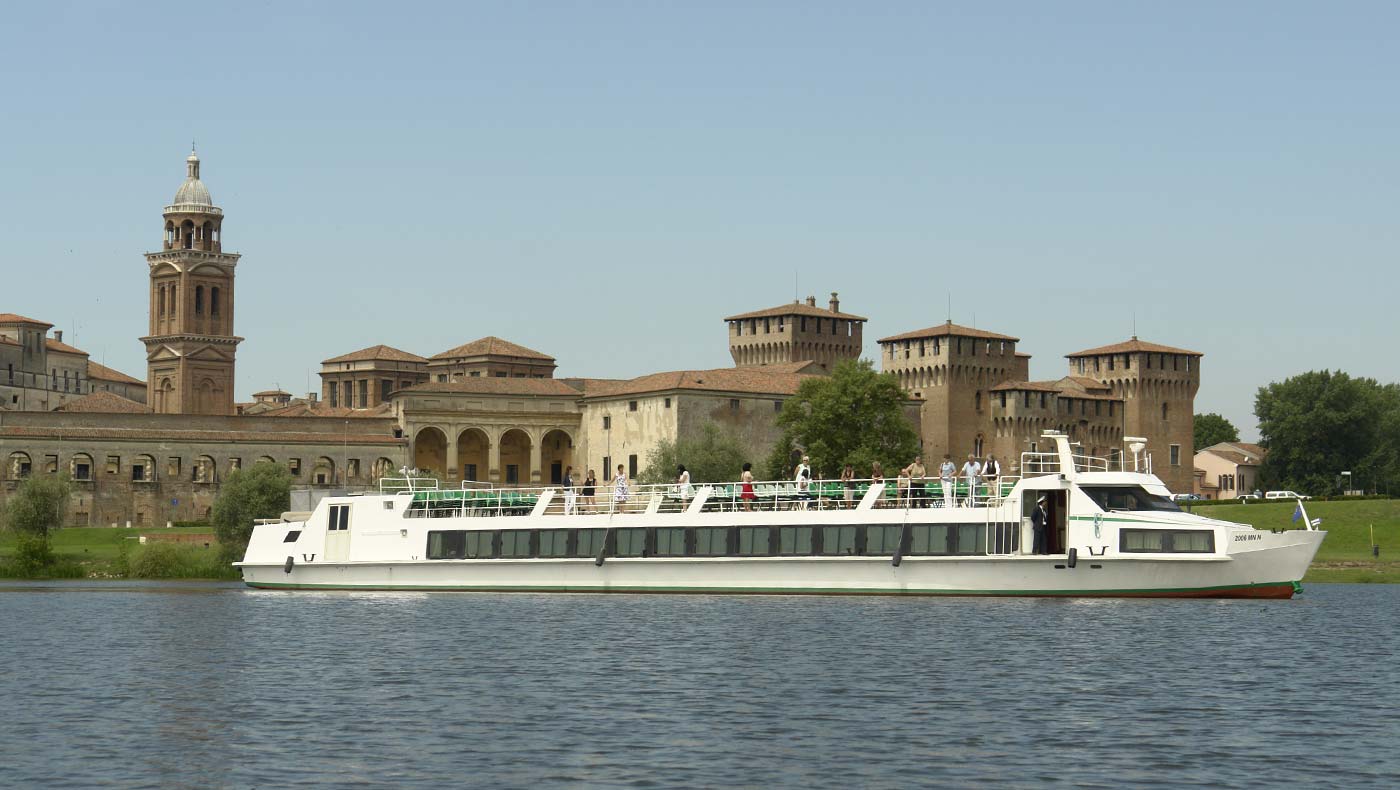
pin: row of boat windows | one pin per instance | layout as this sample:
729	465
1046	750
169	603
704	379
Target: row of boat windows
926	539
917	540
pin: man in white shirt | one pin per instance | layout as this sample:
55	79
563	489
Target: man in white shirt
971	470
947	472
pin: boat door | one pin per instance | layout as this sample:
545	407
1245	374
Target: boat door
337	533
1056	508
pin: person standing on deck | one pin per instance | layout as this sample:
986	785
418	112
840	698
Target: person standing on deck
682	482
1039	519
620	491
991	471
918	493
570	495
971	470
590	487
746	493
848	482
947	472
803	478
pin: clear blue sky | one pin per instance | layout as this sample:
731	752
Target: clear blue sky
605	181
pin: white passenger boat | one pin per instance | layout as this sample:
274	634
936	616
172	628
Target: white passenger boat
1112	532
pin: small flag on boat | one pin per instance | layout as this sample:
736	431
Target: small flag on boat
1317	522
1298	513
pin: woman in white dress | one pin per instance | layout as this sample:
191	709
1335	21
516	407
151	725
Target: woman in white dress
682	482
620	490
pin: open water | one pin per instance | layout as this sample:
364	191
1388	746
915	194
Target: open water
152	685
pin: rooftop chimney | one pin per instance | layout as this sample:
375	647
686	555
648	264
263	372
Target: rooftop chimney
58	335
811	301
834	304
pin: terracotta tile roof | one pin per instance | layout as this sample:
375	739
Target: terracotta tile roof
796	308
104	373
62	348
1131	346
1085	382
1023	354
1032	386
1253	449
319	409
376	352
11	318
494	346
589	386
103	402
492	385
159	435
947	329
757	381
270	393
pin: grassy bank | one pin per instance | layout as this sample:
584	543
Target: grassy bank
1345	555
116	553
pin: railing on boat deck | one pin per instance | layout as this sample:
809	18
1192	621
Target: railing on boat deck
428	501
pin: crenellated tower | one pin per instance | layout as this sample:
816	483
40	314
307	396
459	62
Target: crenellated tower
191	346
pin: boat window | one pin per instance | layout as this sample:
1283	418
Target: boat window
795	540
1128	498
670	542
753	541
838	540
711	541
515	542
1174	541
882	540
972	539
590	542
631	542
447	545
339	518
292	536
554	543
931	539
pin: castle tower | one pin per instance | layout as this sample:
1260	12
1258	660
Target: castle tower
797	332
1158	387
952	369
191	346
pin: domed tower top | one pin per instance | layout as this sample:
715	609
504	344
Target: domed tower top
192	221
192	197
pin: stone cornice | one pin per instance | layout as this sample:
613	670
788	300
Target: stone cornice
202	256
222	340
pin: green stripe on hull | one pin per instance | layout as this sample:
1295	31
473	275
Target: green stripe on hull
1268	589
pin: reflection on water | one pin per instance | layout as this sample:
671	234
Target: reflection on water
135	685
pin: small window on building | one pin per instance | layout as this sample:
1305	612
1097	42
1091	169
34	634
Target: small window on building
733	404
1002	396
51	464
172	467
114	464
631	405
1043	400
777	405
1164	410
632	466
234	464
442	378
607	422
352	468
500	374
668	403
513	474
1175	451
294	465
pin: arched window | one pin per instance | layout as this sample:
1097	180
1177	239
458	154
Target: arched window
214	301
199	300
20	465
187	232
160	302
1164	410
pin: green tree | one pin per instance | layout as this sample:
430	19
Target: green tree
711	456
33	512
1319	423
260	491
854	416
1213	429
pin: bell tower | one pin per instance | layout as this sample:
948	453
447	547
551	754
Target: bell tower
191	345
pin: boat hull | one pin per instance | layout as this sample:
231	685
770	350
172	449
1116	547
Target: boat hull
1264	571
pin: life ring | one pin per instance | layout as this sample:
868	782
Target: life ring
287	566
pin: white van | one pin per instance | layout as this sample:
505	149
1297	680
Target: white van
1284	495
